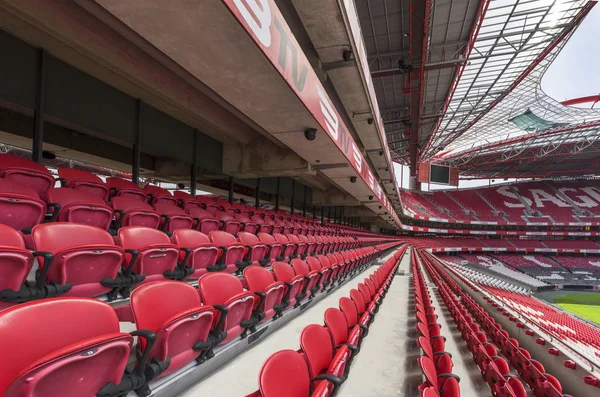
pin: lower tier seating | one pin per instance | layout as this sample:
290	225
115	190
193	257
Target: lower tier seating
492	348
177	325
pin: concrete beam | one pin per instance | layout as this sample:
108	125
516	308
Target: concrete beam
261	159
329	198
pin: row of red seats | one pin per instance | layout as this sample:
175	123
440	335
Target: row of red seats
27	195
435	363
176	325
326	352
82	260
486	339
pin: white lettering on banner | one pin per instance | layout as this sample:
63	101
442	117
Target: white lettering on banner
584	201
331	118
357	157
371	180
593	192
261	27
539	196
505	191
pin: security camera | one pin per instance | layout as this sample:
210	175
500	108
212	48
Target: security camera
380	207
347	55
387	169
352	179
381	152
370	121
310	134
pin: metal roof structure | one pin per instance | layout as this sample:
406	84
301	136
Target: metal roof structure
481	106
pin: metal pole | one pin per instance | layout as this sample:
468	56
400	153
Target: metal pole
135	172
277	194
329	214
230	190
304	203
322	215
38	116
194	164
293	196
257	203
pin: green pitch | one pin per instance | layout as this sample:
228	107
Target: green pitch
583	305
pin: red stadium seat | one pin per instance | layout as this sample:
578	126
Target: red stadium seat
340	331
270	293
261	224
348	307
152	253
26	173
275	248
247	225
446	384
186	201
133	212
228	223
286	373
82	354
294	292
157	195
225	293
79	206
174	312
204	220
255	251
323	363
312	277
119	187
231	252
325	271
83	181
15	264
82	256
201	253
208	204
20	206
172	217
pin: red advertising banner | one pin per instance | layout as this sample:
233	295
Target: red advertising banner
267	27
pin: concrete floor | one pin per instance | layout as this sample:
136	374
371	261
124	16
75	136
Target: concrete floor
386	365
240	377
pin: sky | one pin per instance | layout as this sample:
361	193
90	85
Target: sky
574	73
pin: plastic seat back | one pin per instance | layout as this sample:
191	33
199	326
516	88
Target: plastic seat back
156	253
336	324
172	217
79	206
174	312
348	308
208	204
275	250
226	290
20	206
15	260
294	283
228	223
260	279
186	200
204	253
157	194
84	181
131	211
81	352
26	173
231	251
285	373
205	221
84	256
289	248
255	251
119	187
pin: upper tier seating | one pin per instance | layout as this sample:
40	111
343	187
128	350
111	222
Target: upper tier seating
578	262
539	201
497	266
